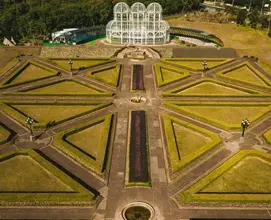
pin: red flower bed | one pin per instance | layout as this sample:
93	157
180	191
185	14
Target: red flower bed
138	161
138	83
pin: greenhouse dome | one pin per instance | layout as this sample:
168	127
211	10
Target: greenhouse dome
137	25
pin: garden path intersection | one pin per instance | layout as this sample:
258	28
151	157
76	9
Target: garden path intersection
168	188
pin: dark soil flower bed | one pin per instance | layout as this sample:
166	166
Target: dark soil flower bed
138	83
138	153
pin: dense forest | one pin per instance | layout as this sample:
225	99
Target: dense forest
38	18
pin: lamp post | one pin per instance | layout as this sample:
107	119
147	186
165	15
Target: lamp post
29	121
70	63
245	123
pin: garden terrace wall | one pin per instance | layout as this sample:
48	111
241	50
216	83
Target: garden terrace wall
204	53
137	164
137	78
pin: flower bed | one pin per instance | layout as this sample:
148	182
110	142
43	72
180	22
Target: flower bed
137	77
138	151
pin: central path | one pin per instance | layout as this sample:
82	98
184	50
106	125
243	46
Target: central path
157	195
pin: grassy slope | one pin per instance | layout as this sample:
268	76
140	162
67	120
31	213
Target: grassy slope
246	41
66	87
4	134
267	136
22	173
194	64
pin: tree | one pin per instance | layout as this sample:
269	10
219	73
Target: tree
254	17
241	16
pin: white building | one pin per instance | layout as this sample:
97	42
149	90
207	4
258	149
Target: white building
137	25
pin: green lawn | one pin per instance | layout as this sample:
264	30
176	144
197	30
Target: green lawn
244	178
26	176
43	113
194	64
4	134
17	175
67	88
79	63
8	66
109	75
247	74
225	115
267	136
88	143
166	75
28	72
207	87
186	142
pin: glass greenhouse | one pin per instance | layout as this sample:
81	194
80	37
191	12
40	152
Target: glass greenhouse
137	25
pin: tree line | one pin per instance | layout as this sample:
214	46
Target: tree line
28	19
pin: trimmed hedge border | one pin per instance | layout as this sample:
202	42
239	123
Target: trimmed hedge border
192	194
9	68
198	116
99	165
180	162
172	93
103	93
12	134
223	74
107	61
5	105
159	74
83	194
168	61
117	66
5	83
267	136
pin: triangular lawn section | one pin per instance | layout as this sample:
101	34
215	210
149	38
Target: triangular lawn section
166	75
195	64
109	75
243	178
28	176
4	134
67	87
44	113
210	87
80	63
247	74
227	115
186	142
88	143
28	72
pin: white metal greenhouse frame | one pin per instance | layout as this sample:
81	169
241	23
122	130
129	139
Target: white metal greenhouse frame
137	25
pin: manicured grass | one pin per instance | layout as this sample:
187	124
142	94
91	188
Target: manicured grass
267	136
46	112
194	64
29	176
166	74
79	63
211	87
7	66
186	142
88	143
245	73
244	178
226	115
4	134
29	72
109	75
67	87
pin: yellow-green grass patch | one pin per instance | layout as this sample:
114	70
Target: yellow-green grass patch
66	87
166	74
244	178
29	72
212	88
109	75
247	74
46	112
186	142
80	63
227	115
88	143
4	134
195	64
29	176
267	136
8	66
